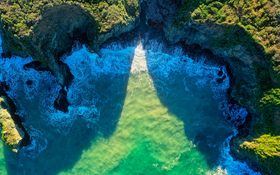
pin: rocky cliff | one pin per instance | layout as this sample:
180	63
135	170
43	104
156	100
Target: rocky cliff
12	131
47	29
245	34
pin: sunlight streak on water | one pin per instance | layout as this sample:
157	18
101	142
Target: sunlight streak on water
169	122
139	63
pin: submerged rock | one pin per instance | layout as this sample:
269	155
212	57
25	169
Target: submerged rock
61	103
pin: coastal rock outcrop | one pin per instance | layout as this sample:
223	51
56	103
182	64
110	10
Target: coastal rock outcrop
12	130
11	133
242	43
244	33
242	62
247	40
46	30
159	13
54	35
49	29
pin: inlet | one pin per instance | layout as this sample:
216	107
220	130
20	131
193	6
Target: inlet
137	107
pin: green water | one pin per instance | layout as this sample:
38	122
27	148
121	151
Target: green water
148	138
148	125
2	160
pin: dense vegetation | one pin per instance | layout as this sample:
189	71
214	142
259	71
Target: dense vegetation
265	149
260	19
20	16
47	29
10	132
259	145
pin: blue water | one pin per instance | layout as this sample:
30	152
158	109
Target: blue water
133	110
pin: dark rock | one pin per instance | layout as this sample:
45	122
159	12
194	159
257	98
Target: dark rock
61	103
159	13
220	73
234	113
6	55
221	79
37	65
55	34
29	82
17	131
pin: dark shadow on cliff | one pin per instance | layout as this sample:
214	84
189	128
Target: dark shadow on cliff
231	35
203	123
53	36
56	32
64	150
248	84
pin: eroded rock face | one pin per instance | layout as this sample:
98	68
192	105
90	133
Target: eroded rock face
55	34
242	62
61	25
52	36
248	63
159	13
12	130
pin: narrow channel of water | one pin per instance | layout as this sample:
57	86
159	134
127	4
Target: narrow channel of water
132	111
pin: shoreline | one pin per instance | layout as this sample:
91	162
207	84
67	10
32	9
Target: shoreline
194	51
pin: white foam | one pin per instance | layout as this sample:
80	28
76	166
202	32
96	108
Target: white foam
43	86
229	164
82	63
139	63
38	144
162	64
86	67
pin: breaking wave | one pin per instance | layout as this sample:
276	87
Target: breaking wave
35	92
163	62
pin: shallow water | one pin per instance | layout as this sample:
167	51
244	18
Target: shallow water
133	111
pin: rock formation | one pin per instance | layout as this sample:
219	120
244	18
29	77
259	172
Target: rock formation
11	133
244	33
52	27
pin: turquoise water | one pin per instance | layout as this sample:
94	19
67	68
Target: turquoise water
132	111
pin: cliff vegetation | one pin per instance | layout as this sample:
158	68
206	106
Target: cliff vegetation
252	29
47	29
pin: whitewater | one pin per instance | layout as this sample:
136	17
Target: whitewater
134	108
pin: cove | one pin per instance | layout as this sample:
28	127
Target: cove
134	109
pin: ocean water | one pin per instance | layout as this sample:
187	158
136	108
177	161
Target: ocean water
134	109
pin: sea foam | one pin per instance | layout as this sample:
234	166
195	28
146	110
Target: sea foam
163	62
89	67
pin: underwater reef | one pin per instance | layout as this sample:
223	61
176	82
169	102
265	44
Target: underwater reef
243	34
